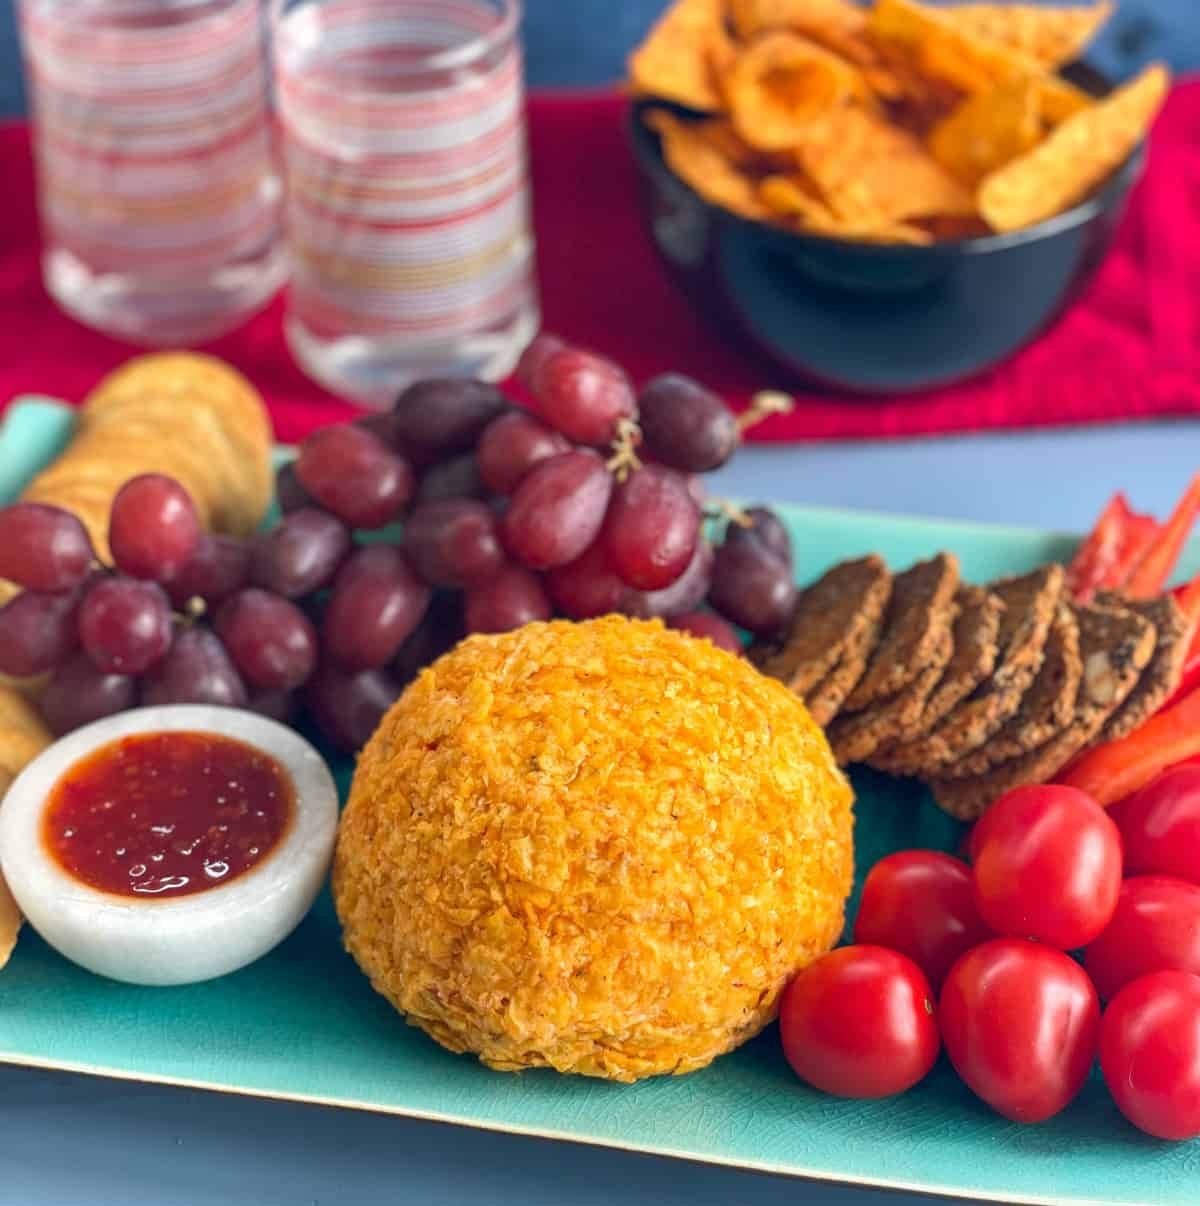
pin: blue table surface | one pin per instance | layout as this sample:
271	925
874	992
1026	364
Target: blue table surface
67	1140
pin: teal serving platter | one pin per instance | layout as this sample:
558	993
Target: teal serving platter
304	1025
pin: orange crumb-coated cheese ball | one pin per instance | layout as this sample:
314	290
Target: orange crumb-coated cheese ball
599	847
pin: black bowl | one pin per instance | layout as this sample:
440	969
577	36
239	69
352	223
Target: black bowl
870	318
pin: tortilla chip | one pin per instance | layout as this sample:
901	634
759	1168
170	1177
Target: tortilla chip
722	52
838	25
987	131
814	18
918	101
791	197
702	162
1075	158
873	175
1051	35
783	84
970	63
673	62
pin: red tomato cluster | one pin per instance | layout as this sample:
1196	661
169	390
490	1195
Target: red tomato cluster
972	956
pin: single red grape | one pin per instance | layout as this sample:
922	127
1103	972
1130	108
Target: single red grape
710	626
583	395
37	632
557	511
588	586
454	543
651	528
766	527
511	446
510	600
347	706
301	554
752	587
43	548
154	527
79	693
271	641
376	603
686	425
196	670
351	473
532	358
445	415
125	625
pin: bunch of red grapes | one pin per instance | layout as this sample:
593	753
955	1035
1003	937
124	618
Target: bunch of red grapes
592	505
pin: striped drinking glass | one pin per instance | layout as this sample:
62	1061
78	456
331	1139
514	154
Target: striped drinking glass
407	215
159	196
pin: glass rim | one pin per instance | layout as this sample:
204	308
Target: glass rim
220	8
476	47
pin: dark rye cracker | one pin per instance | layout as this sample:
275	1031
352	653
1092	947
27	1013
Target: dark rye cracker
914	627
976	645
1046	708
1030	603
1116	645
830	614
854	736
825	700
1163	675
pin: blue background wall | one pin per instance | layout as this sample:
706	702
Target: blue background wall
583	42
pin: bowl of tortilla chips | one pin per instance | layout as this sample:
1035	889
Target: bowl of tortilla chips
884	197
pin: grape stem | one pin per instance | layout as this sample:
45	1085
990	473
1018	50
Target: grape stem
765	403
624	459
724	509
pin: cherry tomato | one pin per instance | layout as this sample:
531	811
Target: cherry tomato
919	902
859	1022
1047	866
1020	1022
1150	1053
1160	825
1156	927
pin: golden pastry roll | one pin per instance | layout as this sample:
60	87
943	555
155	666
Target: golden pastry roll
22	738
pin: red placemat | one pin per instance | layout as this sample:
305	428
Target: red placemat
1129	349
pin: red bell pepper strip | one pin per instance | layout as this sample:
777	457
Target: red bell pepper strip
1187	595
1097	555
1140	533
1112	771
1159	562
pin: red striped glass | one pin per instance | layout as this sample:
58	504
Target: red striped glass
408	212
158	191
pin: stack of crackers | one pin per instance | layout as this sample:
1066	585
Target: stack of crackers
188	416
900	122
975	690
